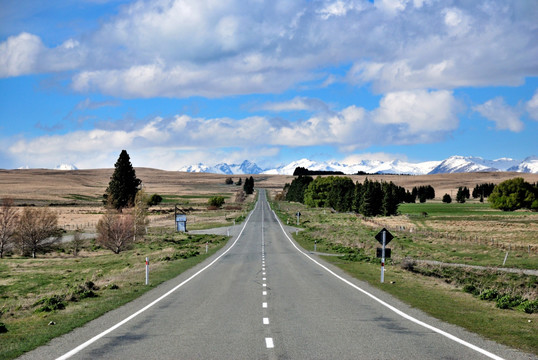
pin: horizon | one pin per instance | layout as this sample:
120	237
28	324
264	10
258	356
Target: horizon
179	82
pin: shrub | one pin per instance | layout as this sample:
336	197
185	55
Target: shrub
471	289
508	301
3	328
155	199
48	304
216	201
489	294
528	306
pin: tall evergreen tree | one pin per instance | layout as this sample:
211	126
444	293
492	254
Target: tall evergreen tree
123	185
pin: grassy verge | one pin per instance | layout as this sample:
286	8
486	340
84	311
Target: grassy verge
70	291
452	295
447	303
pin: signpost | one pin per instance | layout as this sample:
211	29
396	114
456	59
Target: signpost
181	220
384	237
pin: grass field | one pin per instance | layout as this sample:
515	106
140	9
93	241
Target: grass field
427	285
72	290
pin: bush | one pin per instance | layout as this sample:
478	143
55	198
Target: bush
447	199
216	201
489	294
48	304
471	289
528	306
155	199
508	301
3	328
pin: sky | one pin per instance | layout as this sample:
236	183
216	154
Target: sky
179	82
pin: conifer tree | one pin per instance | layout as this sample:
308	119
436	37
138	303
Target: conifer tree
123	184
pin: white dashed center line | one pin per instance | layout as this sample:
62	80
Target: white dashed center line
269	343
265	321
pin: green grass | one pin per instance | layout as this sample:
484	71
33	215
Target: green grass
438	294
26	281
446	303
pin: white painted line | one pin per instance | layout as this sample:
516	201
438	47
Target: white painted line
264	279
264	293
109	330
263	269
264	305
263	273
269	343
390	307
265	321
264	285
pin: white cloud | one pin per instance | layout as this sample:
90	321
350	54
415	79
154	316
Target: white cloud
19	54
402	118
180	48
532	106
504	116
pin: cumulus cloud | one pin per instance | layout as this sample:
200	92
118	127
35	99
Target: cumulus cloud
532	106
401	118
504	116
26	54
180	48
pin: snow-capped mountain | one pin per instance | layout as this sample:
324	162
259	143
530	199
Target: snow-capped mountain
246	167
529	165
460	164
454	164
66	167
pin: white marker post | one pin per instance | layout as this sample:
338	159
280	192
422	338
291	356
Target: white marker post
206	247
147	270
383	256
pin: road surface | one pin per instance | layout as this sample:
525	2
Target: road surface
262	297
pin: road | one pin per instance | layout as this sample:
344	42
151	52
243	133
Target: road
262	297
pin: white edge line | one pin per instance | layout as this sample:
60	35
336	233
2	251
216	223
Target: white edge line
397	311
99	336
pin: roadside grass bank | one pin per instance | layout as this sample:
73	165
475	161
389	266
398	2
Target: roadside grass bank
49	296
466	297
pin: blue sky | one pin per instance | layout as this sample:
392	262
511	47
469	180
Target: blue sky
177	82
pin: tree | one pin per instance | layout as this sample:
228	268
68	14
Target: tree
295	191
229	181
463	194
116	231
216	201
514	194
317	193
123	184
37	229
340	196
8	225
248	187
447	199
155	199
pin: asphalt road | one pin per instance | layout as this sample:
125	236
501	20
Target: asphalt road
261	297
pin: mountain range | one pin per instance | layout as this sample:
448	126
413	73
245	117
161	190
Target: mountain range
454	164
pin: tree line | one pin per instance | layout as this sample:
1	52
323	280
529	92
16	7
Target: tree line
369	198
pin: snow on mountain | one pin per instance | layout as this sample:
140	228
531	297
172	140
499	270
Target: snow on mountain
460	164
246	167
198	168
529	165
66	167
454	164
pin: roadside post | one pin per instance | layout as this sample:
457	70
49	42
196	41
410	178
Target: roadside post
298	217
383	237
147	270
